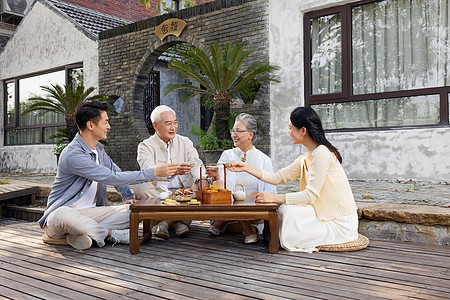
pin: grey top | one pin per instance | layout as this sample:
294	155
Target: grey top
78	168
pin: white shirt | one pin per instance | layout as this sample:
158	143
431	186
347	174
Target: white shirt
88	199
255	158
174	182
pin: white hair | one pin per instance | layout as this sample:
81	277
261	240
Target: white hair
252	124
156	113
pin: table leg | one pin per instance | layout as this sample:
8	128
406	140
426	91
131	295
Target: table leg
134	239
274	238
146	227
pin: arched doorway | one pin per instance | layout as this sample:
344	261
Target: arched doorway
154	76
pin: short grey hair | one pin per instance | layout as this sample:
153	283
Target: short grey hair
252	124
156	113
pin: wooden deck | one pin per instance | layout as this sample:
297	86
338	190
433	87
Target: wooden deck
199	266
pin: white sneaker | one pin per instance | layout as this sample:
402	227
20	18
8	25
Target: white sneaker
161	230
251	239
181	228
120	236
80	242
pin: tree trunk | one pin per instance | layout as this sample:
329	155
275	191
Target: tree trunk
222	113
72	127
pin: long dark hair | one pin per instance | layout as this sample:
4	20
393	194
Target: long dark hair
308	118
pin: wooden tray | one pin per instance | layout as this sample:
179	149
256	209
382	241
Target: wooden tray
203	196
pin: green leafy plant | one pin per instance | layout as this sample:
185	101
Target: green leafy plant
209	141
223	75
4	181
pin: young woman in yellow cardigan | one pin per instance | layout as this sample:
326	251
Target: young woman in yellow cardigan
324	211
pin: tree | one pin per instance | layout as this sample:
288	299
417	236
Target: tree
161	4
63	101
222	77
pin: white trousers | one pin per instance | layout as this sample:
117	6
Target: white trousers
93	222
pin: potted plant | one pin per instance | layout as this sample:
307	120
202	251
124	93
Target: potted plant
63	101
223	75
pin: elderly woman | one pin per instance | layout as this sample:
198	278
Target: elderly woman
243	134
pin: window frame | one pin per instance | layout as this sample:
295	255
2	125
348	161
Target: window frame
347	66
16	125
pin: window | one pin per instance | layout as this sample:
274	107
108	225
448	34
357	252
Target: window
34	127
379	64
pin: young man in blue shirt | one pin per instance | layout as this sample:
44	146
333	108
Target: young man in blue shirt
77	206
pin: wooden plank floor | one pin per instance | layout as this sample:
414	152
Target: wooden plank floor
200	266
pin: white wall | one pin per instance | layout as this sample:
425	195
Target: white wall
421	154
44	40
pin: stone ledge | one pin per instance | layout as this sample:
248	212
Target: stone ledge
405	213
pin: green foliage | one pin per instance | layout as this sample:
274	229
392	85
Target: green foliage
4	180
210	141
161	5
59	148
223	75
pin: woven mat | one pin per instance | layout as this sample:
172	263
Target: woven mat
361	243
52	241
234	227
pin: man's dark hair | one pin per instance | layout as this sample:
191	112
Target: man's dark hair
89	111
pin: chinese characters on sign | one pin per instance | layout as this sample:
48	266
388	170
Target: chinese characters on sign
170	27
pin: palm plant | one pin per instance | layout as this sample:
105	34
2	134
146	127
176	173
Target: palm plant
63	101
222	77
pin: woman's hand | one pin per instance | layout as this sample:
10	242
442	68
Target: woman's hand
165	170
237	166
265	197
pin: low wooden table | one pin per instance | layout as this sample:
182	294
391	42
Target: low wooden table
146	210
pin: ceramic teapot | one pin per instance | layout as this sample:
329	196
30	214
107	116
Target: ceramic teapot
166	194
238	192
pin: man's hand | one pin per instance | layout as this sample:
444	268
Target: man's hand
131	201
165	170
184	169
265	197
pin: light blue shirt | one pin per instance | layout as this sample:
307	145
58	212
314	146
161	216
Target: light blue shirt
78	168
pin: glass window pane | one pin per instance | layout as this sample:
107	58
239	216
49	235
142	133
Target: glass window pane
400	45
50	131
326	55
22	136
10	103
406	111
448	106
30	87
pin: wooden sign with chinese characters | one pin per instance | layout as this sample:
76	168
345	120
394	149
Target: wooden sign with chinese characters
170	27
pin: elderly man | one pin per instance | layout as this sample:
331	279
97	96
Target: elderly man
166	146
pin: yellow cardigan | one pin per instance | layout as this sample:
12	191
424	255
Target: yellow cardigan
323	184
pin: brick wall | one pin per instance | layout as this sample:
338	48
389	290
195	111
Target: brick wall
127	54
